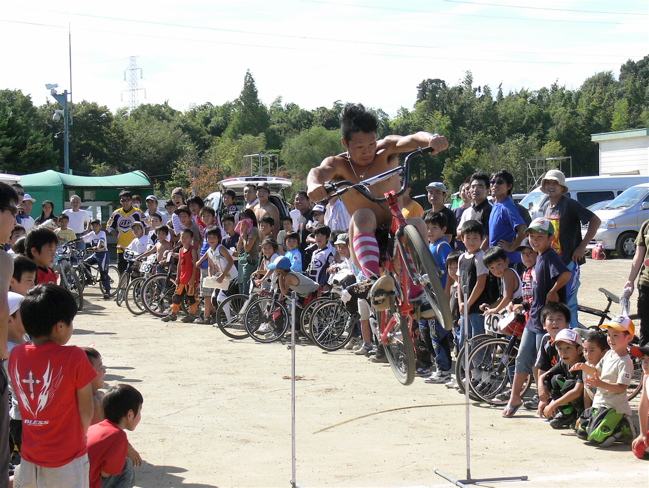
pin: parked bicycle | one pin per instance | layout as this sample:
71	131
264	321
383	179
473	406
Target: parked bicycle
68	274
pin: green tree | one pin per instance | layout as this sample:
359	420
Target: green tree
24	145
307	150
250	115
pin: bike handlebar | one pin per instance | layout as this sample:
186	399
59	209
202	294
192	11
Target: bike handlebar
337	188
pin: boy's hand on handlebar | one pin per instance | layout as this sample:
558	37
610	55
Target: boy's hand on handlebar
438	143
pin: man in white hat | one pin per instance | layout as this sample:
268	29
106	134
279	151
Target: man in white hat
567	217
436	197
26	205
152	208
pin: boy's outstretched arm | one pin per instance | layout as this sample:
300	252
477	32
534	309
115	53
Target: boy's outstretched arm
85	405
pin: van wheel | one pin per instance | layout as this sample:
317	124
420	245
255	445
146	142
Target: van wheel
626	245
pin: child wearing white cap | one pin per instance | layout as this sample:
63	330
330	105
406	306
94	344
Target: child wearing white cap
609	419
566	387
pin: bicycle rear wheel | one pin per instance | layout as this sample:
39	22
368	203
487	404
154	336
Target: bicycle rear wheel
398	347
124	280
329	325
229	316
636	380
266	319
70	280
134	301
427	271
307	313
157	293
459	361
113	275
492	370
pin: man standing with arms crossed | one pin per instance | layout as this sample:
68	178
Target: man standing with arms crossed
366	157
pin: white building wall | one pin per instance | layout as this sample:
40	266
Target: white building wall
624	156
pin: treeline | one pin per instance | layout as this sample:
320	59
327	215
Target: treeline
195	148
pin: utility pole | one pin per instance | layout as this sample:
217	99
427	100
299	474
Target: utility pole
131	75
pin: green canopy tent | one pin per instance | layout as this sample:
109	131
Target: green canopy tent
101	193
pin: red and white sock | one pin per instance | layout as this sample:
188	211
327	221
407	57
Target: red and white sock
367	252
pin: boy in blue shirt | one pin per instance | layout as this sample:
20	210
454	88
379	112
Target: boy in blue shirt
435	337
292	241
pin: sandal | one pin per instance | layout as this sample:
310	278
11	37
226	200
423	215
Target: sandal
509	412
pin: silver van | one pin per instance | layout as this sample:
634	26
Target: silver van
586	190
621	221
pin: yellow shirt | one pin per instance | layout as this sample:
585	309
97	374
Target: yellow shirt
66	235
413	209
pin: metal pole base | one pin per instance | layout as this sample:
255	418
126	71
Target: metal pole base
470	481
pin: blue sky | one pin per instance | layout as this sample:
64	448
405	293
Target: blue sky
312	52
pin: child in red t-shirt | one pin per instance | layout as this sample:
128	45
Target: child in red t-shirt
186	280
107	441
53	387
40	246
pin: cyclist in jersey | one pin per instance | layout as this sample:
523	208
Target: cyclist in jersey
120	223
366	157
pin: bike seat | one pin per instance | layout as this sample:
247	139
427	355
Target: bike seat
381	292
610	295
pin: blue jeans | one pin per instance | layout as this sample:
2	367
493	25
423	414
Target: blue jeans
572	287
126	479
527	351
476	326
441	339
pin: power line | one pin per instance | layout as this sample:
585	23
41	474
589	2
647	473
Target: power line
324	39
498	5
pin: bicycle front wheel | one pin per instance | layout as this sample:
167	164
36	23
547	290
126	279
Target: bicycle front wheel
70	280
157	292
134	301
229	316
266	319
113	275
427	272
329	325
307	313
124	280
398	346
459	361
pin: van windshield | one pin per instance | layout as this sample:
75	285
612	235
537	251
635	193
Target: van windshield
533	200
627	198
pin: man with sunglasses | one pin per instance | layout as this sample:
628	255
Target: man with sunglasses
506	226
8	211
120	223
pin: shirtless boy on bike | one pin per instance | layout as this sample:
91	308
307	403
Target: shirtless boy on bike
367	157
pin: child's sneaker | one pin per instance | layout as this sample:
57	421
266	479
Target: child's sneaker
564	420
172	317
188	319
264	328
451	383
423	371
364	350
356	341
204	320
438	377
532	404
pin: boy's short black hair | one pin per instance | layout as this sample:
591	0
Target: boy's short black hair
22	265
473	227
356	118
598	337
64	216
156	214
44	306
555	307
453	258
19	247
39	237
213	230
287	218
494	254
232	193
162	228
292	235
267	219
325	230
125	194
272	242
227	218
8	195
438	218
196	199
119	400
95	221
17	228
92	353
188	231
505	175
209	210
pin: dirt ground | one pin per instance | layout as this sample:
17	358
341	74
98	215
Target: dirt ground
217	413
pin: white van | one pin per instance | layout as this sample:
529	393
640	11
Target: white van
586	190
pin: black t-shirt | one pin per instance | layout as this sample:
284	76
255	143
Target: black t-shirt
567	217
547	355
546	271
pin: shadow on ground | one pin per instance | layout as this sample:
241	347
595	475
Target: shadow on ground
152	476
